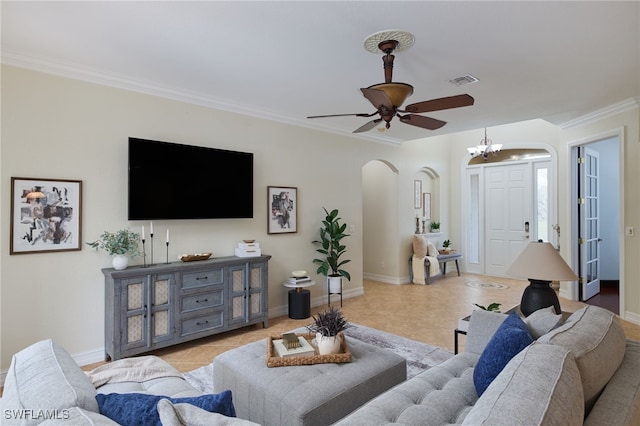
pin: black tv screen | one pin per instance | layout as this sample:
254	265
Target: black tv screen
175	181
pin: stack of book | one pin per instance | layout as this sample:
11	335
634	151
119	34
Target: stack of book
298	280
305	348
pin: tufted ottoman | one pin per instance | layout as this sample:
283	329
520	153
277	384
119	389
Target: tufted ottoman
318	394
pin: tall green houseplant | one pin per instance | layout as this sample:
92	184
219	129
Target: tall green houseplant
331	235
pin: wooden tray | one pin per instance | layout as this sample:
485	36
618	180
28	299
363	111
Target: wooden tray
273	360
194	257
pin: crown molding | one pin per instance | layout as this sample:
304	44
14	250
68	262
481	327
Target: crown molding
78	72
611	110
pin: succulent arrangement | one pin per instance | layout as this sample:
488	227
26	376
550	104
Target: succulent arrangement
328	323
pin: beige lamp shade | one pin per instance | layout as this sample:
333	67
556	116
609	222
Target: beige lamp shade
542	262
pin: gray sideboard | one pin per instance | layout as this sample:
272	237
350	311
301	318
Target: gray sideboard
152	307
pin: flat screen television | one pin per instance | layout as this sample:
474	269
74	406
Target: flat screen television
174	181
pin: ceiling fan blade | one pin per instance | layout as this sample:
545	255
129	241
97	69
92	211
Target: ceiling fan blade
421	121
344	115
441	103
370	125
377	97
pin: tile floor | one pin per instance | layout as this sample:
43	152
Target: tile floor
424	313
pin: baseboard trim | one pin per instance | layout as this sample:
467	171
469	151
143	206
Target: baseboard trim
632	317
386	279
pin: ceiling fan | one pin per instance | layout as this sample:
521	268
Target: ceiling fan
388	97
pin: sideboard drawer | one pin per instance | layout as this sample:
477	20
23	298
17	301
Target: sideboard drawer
195	302
198	279
202	323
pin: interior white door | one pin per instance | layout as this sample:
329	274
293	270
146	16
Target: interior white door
589	211
508	195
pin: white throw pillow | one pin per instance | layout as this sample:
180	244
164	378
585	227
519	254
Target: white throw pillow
542	321
431	249
420	246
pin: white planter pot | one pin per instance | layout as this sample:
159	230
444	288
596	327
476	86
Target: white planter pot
120	261
327	345
335	284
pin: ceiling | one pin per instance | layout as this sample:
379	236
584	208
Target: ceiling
286	60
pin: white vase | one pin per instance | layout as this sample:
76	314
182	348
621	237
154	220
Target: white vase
120	261
335	284
327	345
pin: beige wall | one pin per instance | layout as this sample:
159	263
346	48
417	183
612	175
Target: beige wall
628	124
54	127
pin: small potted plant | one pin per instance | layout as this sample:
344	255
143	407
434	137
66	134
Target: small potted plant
434	226
493	307
331	235
122	245
446	245
327	325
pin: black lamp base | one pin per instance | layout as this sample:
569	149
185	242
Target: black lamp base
538	295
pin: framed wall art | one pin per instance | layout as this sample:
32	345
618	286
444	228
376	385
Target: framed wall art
283	209
417	194
46	215
426	203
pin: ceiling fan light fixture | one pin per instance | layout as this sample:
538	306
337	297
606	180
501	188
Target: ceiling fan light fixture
404	39
396	92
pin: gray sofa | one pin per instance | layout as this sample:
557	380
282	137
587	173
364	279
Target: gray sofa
582	371
45	386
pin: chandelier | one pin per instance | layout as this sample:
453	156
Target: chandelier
485	148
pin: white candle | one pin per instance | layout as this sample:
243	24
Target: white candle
167	234
143	232
152	229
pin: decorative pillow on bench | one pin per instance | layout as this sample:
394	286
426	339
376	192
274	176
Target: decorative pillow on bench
141	409
511	337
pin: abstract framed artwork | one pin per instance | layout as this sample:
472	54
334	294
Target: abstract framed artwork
46	215
426	203
283	209
417	194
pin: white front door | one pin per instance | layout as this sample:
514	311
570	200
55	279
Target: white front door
508	220
589	211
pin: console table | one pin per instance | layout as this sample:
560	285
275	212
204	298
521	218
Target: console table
161	305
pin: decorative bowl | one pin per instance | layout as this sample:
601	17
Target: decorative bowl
299	274
194	257
248	241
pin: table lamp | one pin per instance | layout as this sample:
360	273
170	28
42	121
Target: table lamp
540	263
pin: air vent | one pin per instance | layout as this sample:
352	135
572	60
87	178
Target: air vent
465	79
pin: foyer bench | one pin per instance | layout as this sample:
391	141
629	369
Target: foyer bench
442	260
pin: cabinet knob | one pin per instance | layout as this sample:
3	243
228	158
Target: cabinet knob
202	301
202	323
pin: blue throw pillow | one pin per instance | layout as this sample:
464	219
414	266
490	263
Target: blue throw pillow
133	409
511	337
